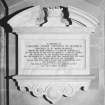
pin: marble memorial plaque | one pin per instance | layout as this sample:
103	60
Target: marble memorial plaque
41	54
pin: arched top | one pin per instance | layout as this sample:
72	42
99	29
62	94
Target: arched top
30	16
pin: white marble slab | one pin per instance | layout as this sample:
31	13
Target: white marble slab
53	54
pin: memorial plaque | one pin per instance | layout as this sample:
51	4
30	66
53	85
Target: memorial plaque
53	54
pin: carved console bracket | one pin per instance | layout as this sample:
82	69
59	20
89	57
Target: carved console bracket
53	87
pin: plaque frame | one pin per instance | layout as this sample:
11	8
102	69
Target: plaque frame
49	36
53	87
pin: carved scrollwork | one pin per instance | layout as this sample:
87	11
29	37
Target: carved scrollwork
61	12
53	90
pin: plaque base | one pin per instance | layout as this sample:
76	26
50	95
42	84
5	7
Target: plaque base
53	87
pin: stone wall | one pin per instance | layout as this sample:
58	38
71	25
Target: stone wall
16	97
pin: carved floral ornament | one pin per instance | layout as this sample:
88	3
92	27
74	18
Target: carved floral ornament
52	87
61	13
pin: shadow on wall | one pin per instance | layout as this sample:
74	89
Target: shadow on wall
8	29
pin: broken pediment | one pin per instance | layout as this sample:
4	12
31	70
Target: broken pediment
36	16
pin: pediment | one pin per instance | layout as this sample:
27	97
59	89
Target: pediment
31	16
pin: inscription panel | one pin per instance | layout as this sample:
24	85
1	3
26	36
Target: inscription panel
54	54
